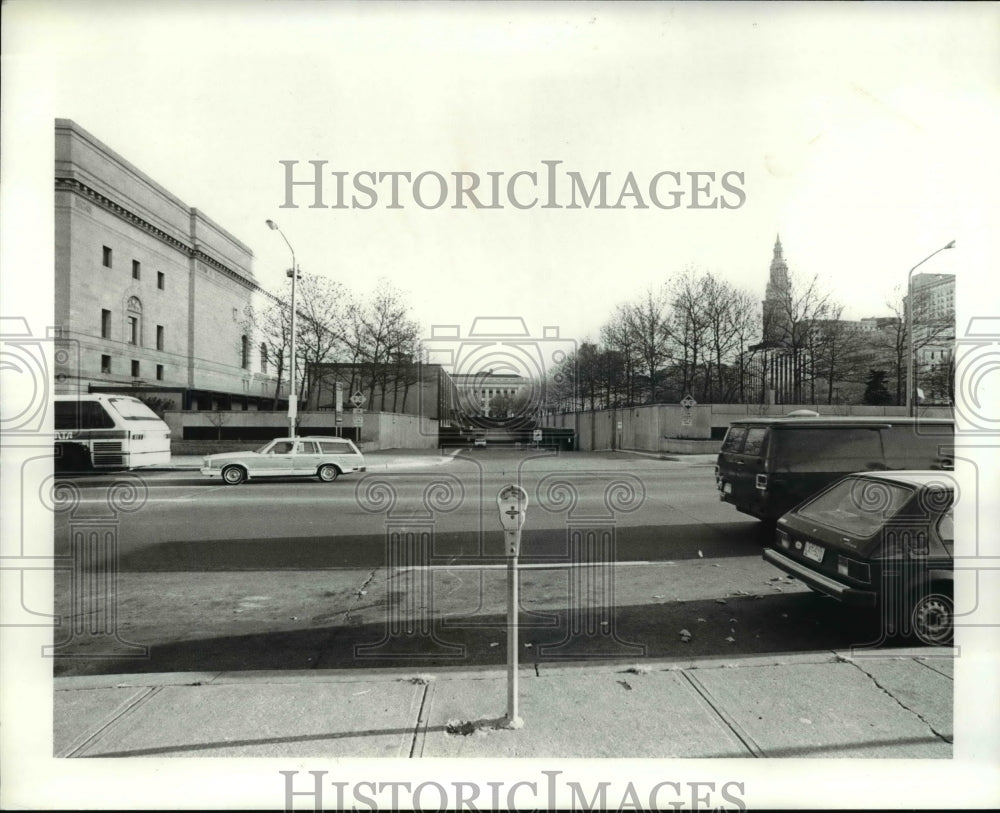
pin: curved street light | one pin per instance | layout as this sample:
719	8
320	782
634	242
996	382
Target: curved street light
292	396
911	382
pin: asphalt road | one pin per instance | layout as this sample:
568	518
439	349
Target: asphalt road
622	557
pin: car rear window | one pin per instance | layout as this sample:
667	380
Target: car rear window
856	506
333	447
826	447
734	439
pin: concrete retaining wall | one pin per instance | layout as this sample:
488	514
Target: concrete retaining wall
671	428
381	430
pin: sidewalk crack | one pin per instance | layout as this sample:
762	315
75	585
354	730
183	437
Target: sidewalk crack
943	737
132	706
345	617
419	723
727	719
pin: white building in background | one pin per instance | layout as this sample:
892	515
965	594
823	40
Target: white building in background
488	394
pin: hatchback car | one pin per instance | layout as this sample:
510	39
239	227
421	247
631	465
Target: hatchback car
878	540
323	457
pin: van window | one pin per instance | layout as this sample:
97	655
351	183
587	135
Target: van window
914	447
826	447
755	440
734	439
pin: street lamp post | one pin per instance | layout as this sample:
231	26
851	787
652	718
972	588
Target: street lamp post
293	272
911	382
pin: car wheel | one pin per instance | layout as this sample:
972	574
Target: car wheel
233	475
932	617
328	473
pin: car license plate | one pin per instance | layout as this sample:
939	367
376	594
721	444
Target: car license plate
814	552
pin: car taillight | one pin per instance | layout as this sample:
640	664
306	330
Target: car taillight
783	540
855	570
762	482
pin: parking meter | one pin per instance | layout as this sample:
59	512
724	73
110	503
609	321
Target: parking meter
512	502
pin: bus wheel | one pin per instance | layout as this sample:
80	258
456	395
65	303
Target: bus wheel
328	473
233	475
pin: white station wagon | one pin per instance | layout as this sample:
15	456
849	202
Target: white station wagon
323	457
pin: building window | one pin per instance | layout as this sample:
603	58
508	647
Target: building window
159	372
107	257
105	324
134	323
159	337
160	280
135	269
135	368
105	364
244	352
263	358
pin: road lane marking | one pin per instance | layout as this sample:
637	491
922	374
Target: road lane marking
539	566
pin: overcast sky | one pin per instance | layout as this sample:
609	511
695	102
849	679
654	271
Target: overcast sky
865	136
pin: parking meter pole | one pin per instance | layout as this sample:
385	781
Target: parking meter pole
512	502
512	636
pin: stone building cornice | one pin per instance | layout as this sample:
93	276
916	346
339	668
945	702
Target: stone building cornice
191	251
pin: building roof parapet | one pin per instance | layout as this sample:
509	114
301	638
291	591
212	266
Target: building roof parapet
164	216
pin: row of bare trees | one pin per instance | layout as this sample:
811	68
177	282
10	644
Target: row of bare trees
699	334
374	338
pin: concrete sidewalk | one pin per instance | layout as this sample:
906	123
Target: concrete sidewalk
885	704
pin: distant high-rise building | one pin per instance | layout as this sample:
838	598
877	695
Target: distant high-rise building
776	316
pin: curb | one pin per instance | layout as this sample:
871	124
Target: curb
554	669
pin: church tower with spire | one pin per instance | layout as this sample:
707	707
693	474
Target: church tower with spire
775	312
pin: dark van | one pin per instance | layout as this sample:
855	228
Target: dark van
767	466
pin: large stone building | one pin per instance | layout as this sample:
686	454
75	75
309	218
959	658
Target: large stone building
150	294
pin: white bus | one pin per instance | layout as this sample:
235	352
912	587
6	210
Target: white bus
108	432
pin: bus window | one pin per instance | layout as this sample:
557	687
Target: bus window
76	415
132	410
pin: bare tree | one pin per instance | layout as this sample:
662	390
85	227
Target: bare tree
320	305
619	359
648	325
688	328
382	341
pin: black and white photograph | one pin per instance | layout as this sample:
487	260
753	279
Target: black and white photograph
499	406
